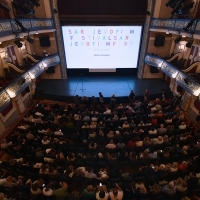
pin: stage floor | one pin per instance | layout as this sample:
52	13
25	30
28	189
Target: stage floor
108	85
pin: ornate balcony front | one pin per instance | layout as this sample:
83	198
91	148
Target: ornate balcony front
9	27
23	81
175	25
185	81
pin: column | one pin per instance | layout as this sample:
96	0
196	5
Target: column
145	39
32	87
19	104
59	39
172	46
2	127
186	100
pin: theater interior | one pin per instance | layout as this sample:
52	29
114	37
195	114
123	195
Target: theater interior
100	99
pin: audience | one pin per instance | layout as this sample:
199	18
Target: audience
59	145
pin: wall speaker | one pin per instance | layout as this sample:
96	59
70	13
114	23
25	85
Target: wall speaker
44	41
50	70
159	40
154	69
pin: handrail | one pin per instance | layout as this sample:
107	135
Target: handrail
9	26
20	83
174	56
192	66
31	57
175	25
185	81
8	64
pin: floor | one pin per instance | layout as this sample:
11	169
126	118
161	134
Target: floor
108	85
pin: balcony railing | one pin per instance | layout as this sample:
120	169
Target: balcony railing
22	82
175	25
185	81
9	27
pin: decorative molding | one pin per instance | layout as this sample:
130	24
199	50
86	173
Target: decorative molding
4	98
59	39
145	39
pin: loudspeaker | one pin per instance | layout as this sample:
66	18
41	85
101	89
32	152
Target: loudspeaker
50	70
44	41
159	40
154	69
179	89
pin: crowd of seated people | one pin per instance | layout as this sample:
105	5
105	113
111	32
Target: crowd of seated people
58	150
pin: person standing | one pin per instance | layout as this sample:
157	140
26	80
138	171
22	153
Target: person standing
146	95
131	97
76	101
112	102
101	100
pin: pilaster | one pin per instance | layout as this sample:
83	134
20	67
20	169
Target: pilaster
145	39
59	39
19	104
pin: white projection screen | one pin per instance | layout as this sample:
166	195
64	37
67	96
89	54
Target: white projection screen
101	47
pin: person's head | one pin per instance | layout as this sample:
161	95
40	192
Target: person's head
70	156
48	187
92	143
111	142
102	194
45	138
162	167
192	174
162	126
175	165
160	138
90	170
115	191
35	186
2	196
89	188
171	185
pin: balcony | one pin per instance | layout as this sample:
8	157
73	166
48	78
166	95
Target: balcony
9	27
189	83
20	83
175	26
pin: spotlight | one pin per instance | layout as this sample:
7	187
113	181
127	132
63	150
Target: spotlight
55	11
189	43
18	43
23	29
4	7
178	39
189	25
30	40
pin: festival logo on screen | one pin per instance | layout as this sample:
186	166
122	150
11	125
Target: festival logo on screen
100	37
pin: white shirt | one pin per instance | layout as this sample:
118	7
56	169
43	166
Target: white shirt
118	197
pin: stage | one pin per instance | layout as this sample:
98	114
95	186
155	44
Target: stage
91	85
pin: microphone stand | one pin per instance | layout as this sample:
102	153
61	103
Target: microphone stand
82	84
